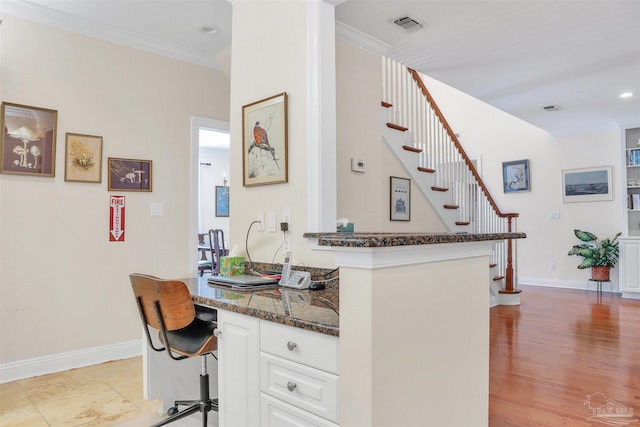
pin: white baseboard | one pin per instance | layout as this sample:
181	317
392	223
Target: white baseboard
567	284
37	366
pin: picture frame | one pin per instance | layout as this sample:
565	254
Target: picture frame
28	144
82	158
587	184
222	201
399	199
264	141
130	174
515	176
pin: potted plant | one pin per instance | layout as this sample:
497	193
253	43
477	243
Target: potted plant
601	256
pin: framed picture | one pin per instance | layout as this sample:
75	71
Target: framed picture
222	200
400	199
129	174
587	184
515	176
83	158
264	141
28	144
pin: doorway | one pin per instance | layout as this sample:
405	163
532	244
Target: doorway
210	178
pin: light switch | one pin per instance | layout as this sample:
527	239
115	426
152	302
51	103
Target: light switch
156	209
554	215
271	222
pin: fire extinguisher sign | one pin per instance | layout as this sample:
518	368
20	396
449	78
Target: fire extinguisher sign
116	219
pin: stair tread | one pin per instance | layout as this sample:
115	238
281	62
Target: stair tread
439	189
497	278
386	104
427	170
492	265
397	127
463	222
413	149
451	206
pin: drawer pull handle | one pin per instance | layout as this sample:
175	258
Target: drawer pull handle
291	345
291	386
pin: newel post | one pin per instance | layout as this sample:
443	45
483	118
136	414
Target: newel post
508	285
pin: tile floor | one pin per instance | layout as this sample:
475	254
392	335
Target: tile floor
109	394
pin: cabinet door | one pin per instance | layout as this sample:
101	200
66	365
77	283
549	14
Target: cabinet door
630	265
279	414
238	370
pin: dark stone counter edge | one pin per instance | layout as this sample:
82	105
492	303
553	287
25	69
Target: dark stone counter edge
276	318
375	240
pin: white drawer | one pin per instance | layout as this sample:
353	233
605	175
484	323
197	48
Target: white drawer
275	413
309	389
300	345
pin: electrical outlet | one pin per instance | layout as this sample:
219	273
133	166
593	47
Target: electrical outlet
260	219
286	217
552	266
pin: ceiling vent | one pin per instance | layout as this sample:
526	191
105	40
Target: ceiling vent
408	23
551	108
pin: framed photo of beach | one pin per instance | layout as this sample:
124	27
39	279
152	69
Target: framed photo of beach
264	141
587	184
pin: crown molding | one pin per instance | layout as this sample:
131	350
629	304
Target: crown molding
91	28
360	39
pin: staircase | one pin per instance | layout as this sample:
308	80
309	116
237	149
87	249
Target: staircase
418	134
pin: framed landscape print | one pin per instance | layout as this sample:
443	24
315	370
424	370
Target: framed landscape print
83	158
587	184
129	174
400	199
264	141
28	145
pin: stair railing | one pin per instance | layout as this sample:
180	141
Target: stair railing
412	107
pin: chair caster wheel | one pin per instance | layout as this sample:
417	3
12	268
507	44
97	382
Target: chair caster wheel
172	411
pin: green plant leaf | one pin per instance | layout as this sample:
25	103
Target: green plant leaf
585	236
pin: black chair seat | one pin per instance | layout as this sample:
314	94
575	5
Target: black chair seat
191	338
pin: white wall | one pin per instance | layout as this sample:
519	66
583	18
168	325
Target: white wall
64	287
499	137
364	197
270	56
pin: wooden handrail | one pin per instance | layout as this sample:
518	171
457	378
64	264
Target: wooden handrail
452	135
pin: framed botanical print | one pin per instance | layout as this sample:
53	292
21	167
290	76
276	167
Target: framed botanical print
28	145
83	158
129	174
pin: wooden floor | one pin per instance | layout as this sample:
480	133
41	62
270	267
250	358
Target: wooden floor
558	348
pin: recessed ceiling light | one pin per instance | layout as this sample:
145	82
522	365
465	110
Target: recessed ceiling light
626	94
209	29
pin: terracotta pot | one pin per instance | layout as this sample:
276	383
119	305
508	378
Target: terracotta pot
600	273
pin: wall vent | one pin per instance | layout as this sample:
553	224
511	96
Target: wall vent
408	23
551	108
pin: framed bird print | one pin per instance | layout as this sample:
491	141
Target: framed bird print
264	141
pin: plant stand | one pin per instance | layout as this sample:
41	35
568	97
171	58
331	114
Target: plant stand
599	284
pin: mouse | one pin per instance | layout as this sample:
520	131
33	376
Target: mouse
316	286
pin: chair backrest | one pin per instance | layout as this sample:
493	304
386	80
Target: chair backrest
218	249
172	296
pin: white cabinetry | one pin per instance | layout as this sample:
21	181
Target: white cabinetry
275	375
630	267
630	244
238	370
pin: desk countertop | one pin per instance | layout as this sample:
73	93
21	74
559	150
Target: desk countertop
312	310
377	240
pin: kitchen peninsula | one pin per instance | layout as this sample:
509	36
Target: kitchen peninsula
414	327
403	340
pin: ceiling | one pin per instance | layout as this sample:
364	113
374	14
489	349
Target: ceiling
518	56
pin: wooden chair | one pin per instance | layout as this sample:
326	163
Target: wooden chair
218	249
166	305
204	263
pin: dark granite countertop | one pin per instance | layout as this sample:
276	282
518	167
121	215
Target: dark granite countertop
312	310
377	240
